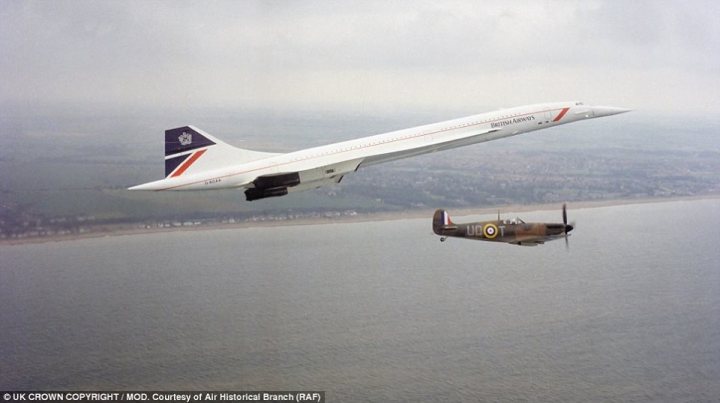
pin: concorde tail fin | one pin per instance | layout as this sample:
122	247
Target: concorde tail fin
189	150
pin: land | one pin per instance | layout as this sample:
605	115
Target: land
103	231
64	179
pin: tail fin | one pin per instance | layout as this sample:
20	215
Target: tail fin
441	220
184	147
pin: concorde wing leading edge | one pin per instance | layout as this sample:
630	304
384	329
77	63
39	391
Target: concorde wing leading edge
195	160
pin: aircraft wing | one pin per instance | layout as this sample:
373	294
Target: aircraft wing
284	182
536	240
528	243
310	174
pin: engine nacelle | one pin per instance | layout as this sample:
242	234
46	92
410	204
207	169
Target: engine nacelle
272	186
274	181
254	193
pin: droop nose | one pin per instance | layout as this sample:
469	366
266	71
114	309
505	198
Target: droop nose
599	111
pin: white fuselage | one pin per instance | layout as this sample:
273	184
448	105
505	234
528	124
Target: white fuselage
324	163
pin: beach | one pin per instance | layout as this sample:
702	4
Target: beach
129	229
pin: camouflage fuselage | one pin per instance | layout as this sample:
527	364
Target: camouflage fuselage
508	231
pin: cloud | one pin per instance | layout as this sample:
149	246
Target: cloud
361	55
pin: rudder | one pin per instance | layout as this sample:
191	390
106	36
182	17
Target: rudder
441	219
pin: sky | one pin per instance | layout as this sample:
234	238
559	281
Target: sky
368	56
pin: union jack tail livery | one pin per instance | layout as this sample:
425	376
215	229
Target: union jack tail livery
189	150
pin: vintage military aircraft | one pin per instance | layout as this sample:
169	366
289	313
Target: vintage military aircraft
516	231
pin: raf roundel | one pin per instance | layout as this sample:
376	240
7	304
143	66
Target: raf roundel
185	138
490	231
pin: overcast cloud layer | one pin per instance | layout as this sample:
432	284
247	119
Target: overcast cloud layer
370	56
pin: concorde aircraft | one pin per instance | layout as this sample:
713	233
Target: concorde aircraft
195	160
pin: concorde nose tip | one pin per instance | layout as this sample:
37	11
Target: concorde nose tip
608	110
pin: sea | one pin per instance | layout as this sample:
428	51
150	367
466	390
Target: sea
377	311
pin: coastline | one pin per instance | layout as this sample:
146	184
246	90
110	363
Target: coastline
360	218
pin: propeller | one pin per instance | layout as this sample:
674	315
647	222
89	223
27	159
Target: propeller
567	228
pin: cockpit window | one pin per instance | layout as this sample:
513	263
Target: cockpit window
578	103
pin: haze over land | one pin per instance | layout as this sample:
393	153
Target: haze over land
79	181
89	87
